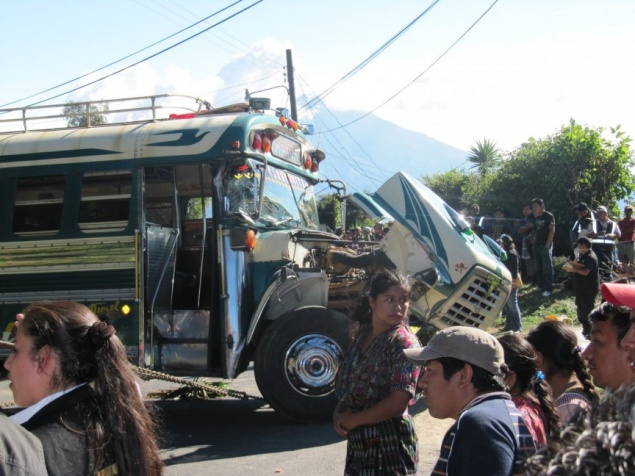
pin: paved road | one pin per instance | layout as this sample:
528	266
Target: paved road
229	437
246	437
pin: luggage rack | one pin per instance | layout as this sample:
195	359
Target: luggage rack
27	118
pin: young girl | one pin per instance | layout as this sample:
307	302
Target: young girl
560	360
376	383
71	372
530	392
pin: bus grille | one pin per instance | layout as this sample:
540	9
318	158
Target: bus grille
477	302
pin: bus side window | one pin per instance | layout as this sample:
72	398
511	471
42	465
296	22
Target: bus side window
105	201
38	204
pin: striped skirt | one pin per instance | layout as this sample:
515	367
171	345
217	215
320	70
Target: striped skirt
385	448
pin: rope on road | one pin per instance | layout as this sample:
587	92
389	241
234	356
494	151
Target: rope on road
213	389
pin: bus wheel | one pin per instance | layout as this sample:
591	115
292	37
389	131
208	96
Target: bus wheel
297	359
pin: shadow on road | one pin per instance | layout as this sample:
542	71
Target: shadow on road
223	429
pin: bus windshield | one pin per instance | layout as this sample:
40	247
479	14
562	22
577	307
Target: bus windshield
287	200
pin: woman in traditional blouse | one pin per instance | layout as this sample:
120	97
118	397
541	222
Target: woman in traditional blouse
376	383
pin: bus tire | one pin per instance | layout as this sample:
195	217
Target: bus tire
297	359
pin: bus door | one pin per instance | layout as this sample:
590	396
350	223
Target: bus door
177	263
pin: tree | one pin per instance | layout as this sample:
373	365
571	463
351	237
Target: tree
485	156
330	212
449	186
579	163
77	114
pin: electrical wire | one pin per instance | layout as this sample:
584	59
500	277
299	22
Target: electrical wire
122	59
424	71
151	56
367	61
362	170
231	48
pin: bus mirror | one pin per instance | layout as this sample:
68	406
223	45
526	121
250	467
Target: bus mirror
308	129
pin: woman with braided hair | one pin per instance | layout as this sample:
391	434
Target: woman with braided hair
559	358
71	372
529	390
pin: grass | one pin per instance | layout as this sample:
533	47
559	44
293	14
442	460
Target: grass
534	307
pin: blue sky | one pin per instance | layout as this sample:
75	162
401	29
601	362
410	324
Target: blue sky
524	70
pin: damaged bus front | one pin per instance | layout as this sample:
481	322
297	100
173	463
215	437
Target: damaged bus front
459	279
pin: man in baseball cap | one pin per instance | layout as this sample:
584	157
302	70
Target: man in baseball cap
623	295
464	379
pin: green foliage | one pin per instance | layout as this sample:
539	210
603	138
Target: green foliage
76	114
559	274
484	156
461	189
534	308
194	209
329	210
449	186
330	213
577	163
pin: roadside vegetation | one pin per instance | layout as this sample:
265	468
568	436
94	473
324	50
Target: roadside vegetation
534	308
578	163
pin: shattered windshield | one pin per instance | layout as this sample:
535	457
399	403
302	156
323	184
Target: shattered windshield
287	201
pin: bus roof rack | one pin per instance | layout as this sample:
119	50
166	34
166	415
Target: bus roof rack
134	109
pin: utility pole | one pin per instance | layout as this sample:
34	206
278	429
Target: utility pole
294	110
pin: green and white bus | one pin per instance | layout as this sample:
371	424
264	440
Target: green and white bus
197	236
174	229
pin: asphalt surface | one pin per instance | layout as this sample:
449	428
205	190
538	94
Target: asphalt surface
229	436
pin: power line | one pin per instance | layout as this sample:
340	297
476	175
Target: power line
419	76
377	178
122	59
229	47
364	63
151	56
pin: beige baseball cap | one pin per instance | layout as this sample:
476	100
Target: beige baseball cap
468	344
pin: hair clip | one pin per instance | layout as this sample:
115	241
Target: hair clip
576	349
540	375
